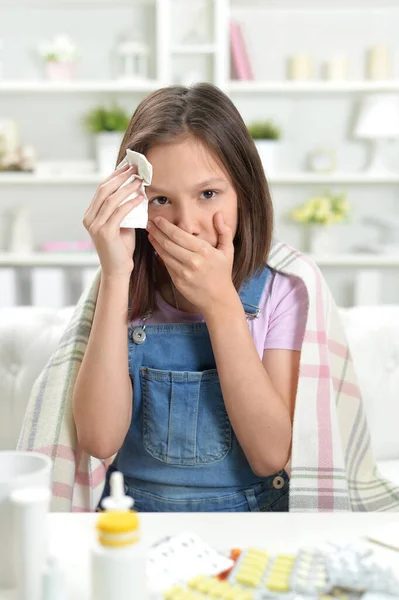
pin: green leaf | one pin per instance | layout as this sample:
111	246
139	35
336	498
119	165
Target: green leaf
264	130
103	118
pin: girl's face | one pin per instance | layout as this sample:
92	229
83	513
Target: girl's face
189	186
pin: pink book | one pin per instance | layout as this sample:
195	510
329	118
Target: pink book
239	56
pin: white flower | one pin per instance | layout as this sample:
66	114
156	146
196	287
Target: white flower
62	48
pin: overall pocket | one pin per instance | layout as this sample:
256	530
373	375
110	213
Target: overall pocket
184	417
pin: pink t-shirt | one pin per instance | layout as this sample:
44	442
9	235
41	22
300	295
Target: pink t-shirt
281	323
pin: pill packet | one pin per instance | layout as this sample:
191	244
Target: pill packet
353	566
281	575
332	571
177	559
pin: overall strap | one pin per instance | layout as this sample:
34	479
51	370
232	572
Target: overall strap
251	291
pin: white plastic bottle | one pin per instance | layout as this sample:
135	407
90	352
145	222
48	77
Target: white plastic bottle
118	564
117	500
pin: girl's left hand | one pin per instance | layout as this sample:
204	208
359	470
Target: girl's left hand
202	273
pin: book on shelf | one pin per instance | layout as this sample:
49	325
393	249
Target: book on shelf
241	66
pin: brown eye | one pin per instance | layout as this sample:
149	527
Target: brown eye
209	194
159	201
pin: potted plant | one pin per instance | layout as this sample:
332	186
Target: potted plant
318	213
265	135
108	124
60	57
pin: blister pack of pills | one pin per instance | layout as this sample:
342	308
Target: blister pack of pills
205	588
334	571
354	567
179	558
273	574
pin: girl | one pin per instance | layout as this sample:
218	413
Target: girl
199	408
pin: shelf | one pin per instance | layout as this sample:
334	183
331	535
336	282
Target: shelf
320	5
90	259
50	4
65	179
234	87
49	259
289	178
314	87
95	85
359	177
194	49
356	260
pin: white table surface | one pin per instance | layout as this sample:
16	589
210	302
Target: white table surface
71	535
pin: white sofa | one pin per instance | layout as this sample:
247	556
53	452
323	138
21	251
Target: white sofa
28	336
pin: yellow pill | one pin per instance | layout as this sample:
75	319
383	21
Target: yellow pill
278	576
253	567
257	552
174	592
228	594
285	558
188	595
278	585
247	595
217	589
282	566
193	583
246	579
250	571
224	586
254	561
243	595
231	594
204	585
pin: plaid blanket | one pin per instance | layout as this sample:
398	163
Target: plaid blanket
332	463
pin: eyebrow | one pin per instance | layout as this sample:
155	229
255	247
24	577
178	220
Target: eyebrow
206	183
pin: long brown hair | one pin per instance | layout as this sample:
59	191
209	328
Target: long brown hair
205	112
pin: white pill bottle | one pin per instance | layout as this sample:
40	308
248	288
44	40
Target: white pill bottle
118	562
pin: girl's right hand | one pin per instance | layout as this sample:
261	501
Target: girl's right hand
115	245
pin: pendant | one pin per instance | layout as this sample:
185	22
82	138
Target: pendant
139	335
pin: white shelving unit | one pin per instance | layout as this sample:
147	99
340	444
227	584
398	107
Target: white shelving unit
168	50
232	86
79	86
356	178
89	259
311	87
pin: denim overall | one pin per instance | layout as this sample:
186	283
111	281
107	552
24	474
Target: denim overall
180	453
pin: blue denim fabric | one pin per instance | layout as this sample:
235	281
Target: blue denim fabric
261	497
181	453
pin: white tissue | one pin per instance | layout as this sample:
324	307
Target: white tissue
138	217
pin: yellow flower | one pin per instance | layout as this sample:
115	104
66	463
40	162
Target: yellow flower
326	209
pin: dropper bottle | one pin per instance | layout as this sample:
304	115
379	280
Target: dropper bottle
118	566
117	500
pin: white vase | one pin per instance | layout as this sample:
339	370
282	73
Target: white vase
21	234
60	70
321	239
107	149
267	152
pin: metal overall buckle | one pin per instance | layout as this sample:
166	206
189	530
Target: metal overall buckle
139	335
